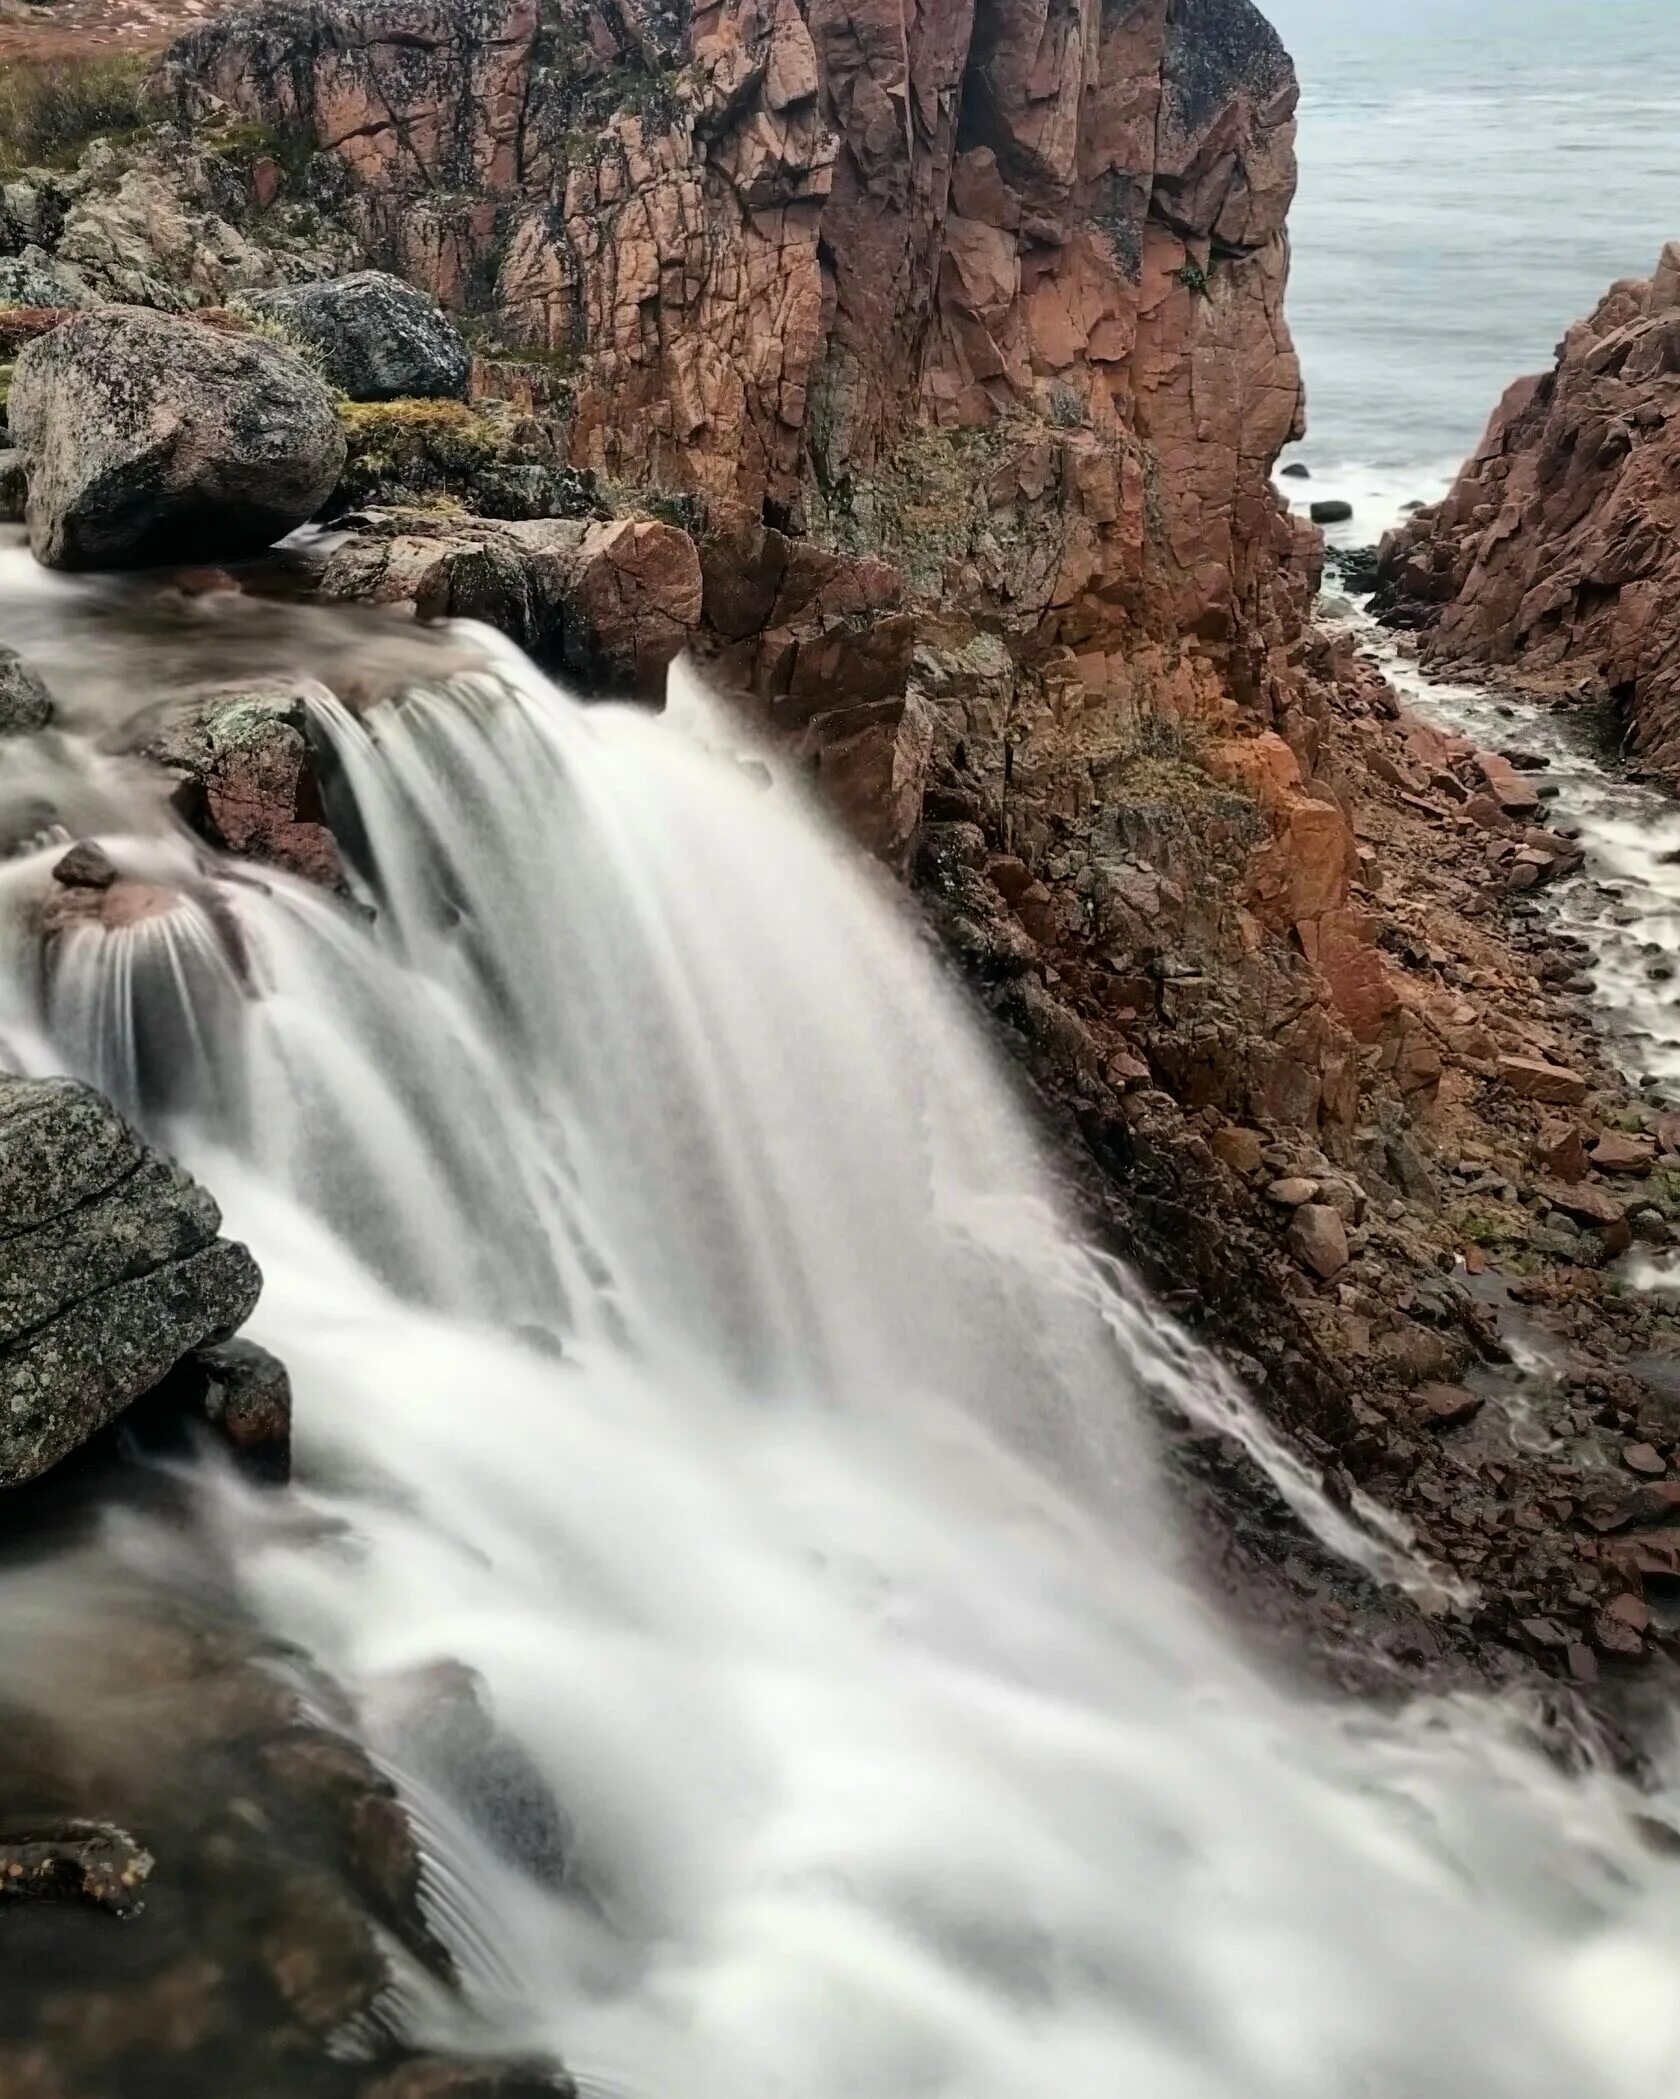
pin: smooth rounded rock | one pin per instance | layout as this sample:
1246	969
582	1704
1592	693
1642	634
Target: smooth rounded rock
150	439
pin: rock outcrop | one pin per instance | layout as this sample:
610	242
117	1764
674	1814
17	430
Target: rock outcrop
112	1271
146	438
995	294
247	779
162	221
372	336
1555	555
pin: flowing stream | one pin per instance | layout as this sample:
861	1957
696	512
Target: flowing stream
686	1342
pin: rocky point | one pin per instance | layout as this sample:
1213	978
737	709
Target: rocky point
1552	561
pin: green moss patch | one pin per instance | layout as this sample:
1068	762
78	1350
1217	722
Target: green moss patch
421	451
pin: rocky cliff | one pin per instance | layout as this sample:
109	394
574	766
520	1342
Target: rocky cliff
991	294
954	340
1555	553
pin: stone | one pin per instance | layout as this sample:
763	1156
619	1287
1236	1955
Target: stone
629	599
247	773
1515	793
1535	1080
1331	511
1318	1240
372	336
1291	1192
248	1402
85	866
150	439
25	703
35	281
112	1271
1633	1157
1239	1149
1644	1459
1586	1205
1446	1406
92	1862
1560	1151
1614	1634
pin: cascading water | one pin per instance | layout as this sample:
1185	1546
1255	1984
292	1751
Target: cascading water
685	1344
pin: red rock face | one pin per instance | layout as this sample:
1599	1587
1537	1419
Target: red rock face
958	330
798	252
1555	552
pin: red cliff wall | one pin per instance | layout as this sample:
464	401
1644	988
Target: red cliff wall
782	248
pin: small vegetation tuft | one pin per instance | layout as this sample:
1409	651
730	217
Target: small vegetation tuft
50	110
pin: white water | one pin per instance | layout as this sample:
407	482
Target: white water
818	1585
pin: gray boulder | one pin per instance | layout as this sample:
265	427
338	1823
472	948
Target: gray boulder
25	703
377	338
110	1271
147	438
34	278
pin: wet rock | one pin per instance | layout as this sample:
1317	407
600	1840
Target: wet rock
1447	1406
1296	470
86	866
111	1271
322	1954
1645	1459
1357	567
1513	791
630	598
1318	1240
1239	1149
248	780
375	1845
248	1401
1535	1080
151	439
25	703
373	337
1633	1157
1331	511
86	1861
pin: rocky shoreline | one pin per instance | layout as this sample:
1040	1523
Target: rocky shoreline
927	392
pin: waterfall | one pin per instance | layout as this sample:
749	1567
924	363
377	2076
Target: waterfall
691	1360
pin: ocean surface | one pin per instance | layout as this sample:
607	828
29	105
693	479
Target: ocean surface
1474	176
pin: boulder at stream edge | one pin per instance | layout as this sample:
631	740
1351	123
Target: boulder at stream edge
111	1271
146	438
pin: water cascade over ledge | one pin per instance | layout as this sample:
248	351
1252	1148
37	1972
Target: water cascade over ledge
688	1346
